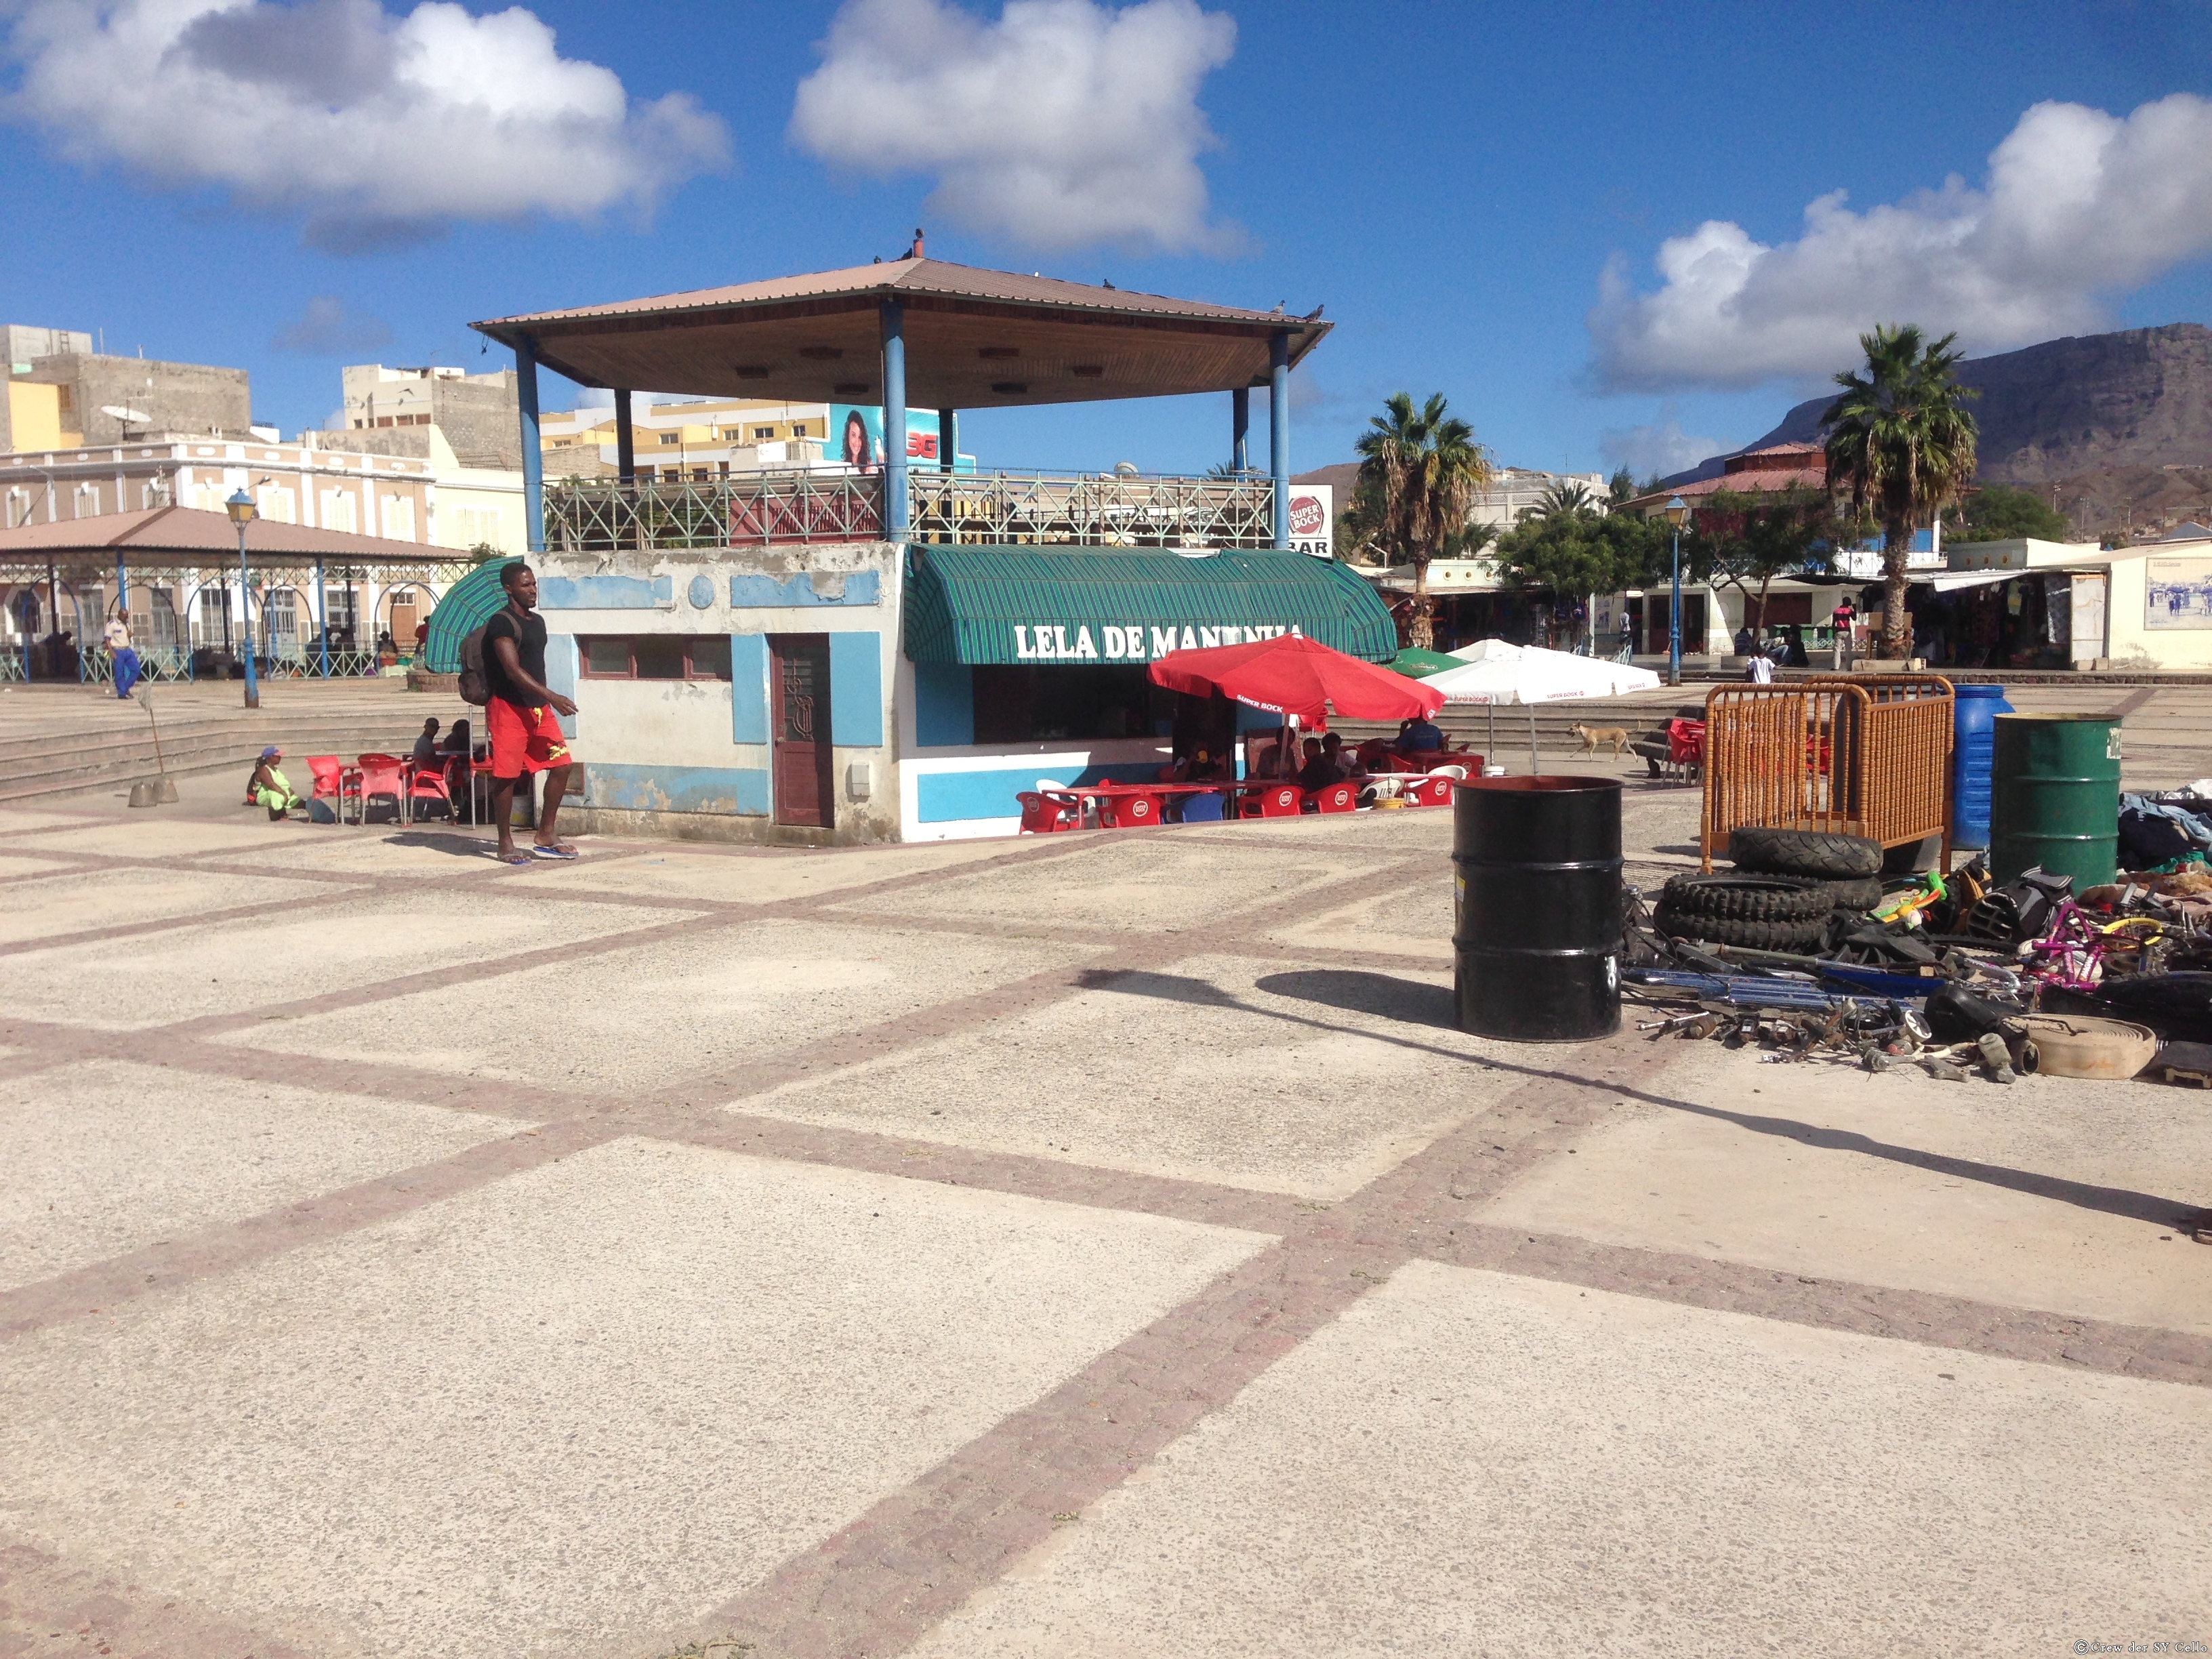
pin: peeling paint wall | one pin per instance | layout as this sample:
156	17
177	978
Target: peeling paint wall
665	756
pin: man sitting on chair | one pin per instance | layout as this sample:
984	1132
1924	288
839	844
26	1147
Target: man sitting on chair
1319	771
1419	736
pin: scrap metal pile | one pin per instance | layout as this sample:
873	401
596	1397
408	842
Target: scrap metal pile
1807	953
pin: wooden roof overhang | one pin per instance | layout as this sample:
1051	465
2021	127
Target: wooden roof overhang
974	339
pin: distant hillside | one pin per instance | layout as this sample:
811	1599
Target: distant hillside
2121	424
2142	397
1342	476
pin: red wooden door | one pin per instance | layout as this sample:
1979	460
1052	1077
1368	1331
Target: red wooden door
801	731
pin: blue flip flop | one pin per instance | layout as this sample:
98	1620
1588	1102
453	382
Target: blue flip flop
563	853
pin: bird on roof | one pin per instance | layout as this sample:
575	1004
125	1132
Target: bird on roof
1314	316
1280	304
1104	283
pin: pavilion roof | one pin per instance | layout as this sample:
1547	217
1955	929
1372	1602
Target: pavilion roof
157	535
974	339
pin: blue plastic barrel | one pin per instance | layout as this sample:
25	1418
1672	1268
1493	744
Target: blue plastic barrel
1974	712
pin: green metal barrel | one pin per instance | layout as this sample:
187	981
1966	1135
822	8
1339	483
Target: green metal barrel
2055	797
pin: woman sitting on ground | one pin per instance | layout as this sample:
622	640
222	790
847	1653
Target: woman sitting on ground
269	787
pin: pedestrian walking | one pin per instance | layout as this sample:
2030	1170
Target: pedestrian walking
521	718
117	637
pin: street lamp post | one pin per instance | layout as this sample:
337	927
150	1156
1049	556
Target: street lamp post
242	514
1677	511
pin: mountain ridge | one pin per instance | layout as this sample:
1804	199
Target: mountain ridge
2058	410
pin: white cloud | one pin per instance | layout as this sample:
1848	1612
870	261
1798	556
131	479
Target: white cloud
1063	124
327	327
2077	204
380	128
1657	449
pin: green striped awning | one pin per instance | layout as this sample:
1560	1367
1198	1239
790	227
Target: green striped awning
1110	605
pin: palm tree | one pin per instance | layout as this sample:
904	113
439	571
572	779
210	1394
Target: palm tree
1563	497
1901	441
1423	469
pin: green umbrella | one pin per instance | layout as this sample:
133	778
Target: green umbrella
468	605
1417	664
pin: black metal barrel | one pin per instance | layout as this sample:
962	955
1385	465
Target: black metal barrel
1536	908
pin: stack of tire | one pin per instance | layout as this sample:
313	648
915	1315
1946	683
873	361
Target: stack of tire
1785	885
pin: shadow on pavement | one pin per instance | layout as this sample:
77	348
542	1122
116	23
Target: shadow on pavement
1357	992
458	843
1414	1003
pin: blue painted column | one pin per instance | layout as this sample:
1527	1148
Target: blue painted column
1240	429
948	440
625	440
1279	431
533	458
322	618
122	585
896	517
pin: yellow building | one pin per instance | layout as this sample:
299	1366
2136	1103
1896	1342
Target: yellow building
34	418
706	438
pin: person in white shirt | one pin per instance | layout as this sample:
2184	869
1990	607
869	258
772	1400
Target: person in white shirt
1761	669
117	637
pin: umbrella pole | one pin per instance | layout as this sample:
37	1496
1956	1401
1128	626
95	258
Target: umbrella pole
1490	717
1532	739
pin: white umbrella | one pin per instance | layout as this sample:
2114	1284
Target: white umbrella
1497	672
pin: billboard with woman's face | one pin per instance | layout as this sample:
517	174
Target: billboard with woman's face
856	437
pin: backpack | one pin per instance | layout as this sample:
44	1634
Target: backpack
475	688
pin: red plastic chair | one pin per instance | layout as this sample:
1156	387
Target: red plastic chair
1276	800
1129	811
1336	797
384	774
334	781
429	783
1047	815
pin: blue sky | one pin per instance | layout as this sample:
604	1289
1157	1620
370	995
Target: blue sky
1454	182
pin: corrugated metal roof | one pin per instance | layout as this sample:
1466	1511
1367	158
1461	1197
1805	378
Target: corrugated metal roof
1077	606
937	278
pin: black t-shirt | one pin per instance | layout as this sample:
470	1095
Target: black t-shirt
528	633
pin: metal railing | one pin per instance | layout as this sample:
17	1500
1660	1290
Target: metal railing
290	660
604	515
1111	510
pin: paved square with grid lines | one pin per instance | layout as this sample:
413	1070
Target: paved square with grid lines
1095	1244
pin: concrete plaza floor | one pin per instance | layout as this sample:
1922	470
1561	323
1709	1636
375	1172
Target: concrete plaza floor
1092	1245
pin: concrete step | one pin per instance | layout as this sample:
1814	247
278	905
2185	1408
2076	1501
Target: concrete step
62	768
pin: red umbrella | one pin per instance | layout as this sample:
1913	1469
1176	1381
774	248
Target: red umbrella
1293	674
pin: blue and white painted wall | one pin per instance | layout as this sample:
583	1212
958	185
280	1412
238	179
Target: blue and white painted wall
693	757
952	788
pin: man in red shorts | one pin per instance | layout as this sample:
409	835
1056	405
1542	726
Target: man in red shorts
525	736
